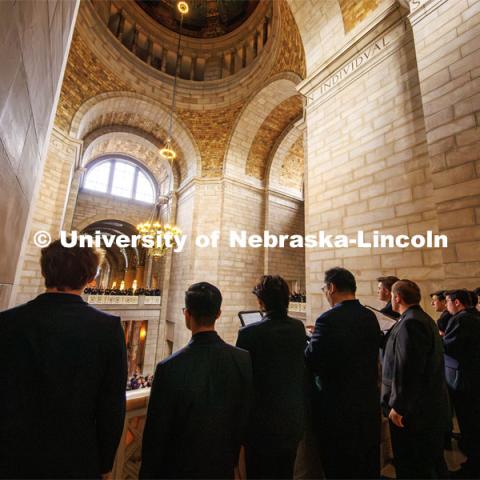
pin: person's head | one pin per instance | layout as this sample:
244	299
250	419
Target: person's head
202	306
339	285
473	299
438	301
68	269
477	293
405	293
384	287
272	293
458	300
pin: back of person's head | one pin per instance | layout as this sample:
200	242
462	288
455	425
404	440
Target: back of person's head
473	298
462	295
408	291
274	293
342	278
203	301
387	282
440	294
68	268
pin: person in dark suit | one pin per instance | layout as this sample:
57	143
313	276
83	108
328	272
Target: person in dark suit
62	411
477	293
343	356
473	308
200	400
462	370
276	345
414	394
439	303
384	294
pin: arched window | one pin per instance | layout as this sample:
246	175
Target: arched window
121	178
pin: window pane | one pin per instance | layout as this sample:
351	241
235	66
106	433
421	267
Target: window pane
97	177
123	176
144	189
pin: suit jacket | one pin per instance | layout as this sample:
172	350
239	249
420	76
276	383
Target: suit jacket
63	377
443	320
462	351
343	355
276	345
389	311
413	372
198	411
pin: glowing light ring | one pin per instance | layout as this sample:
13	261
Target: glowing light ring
168	153
182	7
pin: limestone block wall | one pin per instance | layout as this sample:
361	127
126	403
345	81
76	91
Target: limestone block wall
203	207
92	207
48	213
447	43
239	268
35	37
285	217
368	164
181	272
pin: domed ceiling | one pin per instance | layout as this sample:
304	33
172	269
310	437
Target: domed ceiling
206	18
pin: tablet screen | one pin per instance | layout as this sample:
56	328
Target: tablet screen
246	318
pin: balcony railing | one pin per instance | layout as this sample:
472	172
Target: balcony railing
128	459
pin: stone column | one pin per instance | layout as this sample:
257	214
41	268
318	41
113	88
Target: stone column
35	39
367	167
49	211
447	44
140	273
130	276
72	198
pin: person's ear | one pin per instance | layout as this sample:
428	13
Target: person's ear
218	315
188	319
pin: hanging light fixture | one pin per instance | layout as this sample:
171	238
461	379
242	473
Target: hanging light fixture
154	228
168	151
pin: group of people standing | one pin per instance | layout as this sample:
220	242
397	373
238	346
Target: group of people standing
271	398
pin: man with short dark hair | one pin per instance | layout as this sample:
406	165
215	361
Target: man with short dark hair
439	303
63	409
343	356
414	395
200	400
462	370
276	345
477	293
384	294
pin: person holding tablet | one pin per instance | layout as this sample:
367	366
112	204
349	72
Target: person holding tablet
276	345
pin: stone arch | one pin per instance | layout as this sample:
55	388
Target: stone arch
148	109
250	119
101	218
291	136
124	137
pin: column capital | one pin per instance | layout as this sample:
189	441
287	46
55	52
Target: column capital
420	8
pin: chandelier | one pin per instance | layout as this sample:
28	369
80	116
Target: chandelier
163	235
168	151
